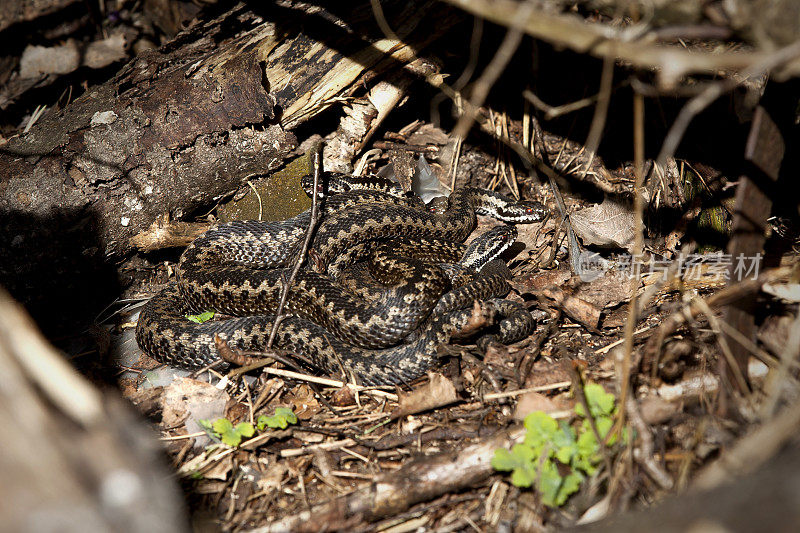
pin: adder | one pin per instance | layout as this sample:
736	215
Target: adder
236	268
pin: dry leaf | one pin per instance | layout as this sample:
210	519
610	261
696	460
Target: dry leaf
428	134
188	401
533	401
438	391
102	53
611	223
539	280
344	397
37	61
613	288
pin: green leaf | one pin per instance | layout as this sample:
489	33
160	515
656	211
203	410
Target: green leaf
587	443
201	317
587	465
245	429
569	486
231	438
523	477
520	460
523	454
287	414
222	425
281	419
205	424
566	453
588	452
541	429
600	402
549	483
604	425
230	434
565	443
504	461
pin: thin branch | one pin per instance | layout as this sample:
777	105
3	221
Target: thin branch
712	92
304	251
493	70
601	40
638	245
644	453
600	112
551	112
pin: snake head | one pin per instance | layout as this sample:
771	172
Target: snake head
522	212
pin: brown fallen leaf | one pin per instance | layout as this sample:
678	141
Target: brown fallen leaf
498	356
438	391
533	401
610	223
609	290
539	280
164	233
186	401
428	134
581	311
344	397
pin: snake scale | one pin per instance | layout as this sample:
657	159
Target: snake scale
237	269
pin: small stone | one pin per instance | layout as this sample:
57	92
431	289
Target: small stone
103	117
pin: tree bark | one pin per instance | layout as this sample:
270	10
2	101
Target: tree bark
173	132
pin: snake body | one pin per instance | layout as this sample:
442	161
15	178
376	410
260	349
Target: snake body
238	268
191	345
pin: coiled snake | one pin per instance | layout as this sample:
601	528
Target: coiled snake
237	269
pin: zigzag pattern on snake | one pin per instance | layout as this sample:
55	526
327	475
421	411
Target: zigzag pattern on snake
225	270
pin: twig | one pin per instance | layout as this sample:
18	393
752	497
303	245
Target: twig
600	112
638	245
712	92
519	392
608	347
430	477
725	347
601	41
330	382
300	258
644	454
255	191
551	112
732	293
493	70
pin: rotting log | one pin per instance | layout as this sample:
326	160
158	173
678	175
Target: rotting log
176	130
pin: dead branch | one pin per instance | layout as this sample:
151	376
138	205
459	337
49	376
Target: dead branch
723	297
603	41
415	482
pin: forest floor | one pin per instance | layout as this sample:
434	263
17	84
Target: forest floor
680	340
